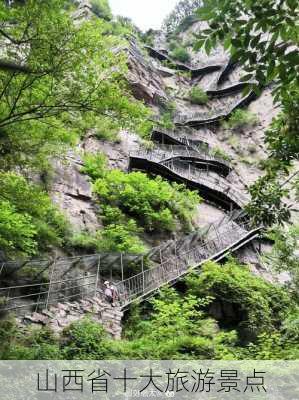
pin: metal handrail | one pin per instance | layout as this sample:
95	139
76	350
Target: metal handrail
208	179
165	152
170	270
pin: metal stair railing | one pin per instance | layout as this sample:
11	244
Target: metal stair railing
170	270
214	115
208	179
185	137
165	152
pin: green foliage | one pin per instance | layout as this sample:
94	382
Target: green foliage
84	241
156	204
166	121
182	16
263	36
218	152
117	237
255	32
51	91
102	9
198	96
85	340
261	305
107	129
282	136
17	232
240	119
284	253
272	346
176	325
29	221
180	54
95	165
266	205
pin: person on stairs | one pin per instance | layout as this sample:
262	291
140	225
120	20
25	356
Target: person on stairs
108	293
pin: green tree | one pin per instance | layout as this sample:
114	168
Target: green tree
261	305
260	35
101	8
17	232
284	254
180	54
198	96
181	13
62	75
267	206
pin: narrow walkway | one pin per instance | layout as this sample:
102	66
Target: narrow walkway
210	185
203	158
224	240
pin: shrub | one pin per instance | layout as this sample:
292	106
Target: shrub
260	305
107	129
154	203
85	340
241	118
17	232
84	241
218	152
180	54
198	96
166	121
122	238
95	165
29	221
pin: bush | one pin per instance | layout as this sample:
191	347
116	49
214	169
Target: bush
198	96
166	121
218	152
85	241
95	165
122	238
154	203
107	129
85	340
180	54
29	222
260	305
241	118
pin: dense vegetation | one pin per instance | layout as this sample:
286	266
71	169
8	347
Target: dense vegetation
51	97
180	325
29	221
133	202
181	54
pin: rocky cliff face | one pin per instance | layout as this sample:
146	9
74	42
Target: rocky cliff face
156	84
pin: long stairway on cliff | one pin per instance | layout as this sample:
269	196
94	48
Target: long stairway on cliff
77	282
